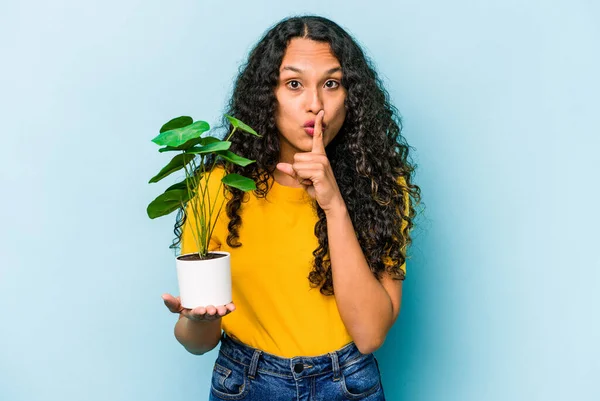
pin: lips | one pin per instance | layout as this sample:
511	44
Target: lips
311	124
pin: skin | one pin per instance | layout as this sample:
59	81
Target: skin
368	306
310	81
306	91
200	313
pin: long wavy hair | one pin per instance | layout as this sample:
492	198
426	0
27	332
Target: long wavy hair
369	157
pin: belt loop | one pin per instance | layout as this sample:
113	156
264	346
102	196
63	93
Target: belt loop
254	363
336	366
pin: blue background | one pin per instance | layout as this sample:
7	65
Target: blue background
499	100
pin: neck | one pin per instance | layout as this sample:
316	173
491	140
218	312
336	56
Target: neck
285	180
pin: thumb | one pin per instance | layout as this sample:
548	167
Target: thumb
287	169
172	303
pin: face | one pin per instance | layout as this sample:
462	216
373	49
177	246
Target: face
310	80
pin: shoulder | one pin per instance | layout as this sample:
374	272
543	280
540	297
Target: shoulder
401	181
404	190
214	176
209	184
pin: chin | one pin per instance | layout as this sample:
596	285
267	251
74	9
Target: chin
305	143
304	148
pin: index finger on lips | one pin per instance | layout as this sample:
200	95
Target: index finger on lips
318	146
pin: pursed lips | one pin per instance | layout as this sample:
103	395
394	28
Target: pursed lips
311	124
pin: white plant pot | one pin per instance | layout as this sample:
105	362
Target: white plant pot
204	282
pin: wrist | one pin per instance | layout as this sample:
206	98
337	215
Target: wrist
338	210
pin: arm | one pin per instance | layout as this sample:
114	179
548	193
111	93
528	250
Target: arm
368	307
198	337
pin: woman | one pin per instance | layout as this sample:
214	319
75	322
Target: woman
318	251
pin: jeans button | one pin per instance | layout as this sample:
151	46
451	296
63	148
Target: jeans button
298	368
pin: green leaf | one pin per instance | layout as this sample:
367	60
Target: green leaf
235	159
239	182
208	140
211	147
178	122
177	163
179	136
167	203
185	146
239	124
192	142
181	185
169	149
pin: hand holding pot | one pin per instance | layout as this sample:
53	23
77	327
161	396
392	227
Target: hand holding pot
200	313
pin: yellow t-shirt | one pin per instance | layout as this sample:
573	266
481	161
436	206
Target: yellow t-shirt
276	309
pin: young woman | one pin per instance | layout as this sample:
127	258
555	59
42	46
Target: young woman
318	251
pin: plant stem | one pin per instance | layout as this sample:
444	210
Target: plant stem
203	218
234	128
212	225
189	177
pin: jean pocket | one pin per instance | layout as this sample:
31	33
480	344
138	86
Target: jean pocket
361	378
229	380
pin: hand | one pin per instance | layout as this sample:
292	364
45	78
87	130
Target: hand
313	171
200	313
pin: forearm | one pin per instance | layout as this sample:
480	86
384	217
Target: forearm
198	337
364	305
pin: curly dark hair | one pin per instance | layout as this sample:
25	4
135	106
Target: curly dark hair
368	156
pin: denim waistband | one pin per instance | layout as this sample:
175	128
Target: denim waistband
296	367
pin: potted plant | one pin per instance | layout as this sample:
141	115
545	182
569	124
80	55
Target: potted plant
204	277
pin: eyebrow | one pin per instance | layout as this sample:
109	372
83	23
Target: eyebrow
299	71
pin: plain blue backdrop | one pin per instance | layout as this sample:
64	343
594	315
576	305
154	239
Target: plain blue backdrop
499	100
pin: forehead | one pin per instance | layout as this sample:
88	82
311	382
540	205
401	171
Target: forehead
302	52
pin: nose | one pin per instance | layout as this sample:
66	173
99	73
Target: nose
314	103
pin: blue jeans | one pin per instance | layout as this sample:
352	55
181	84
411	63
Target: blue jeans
245	373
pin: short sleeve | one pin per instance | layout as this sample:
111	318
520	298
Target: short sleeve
388	260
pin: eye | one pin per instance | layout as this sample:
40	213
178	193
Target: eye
293	84
332	84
